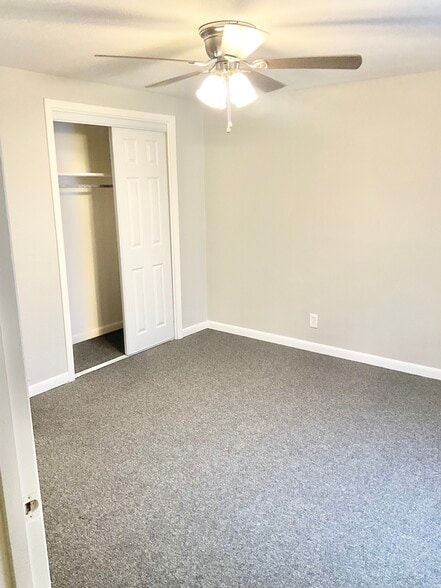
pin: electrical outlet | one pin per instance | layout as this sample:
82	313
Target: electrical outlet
313	321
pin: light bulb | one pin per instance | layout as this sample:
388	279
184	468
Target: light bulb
241	89
213	92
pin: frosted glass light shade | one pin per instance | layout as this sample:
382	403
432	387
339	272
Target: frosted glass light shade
241	41
241	90
213	92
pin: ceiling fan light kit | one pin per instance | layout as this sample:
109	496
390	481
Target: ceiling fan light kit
215	88
228	43
231	79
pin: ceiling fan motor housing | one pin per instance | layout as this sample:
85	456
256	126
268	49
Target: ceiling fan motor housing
212	34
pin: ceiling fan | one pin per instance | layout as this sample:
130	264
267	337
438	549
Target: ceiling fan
230	78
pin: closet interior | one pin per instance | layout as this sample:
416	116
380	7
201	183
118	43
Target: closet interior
90	242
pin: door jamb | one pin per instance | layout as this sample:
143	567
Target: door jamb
73	112
19	485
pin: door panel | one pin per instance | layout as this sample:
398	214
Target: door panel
143	219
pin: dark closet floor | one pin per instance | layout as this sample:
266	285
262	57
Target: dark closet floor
95	351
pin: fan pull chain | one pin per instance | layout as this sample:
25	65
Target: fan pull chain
229	121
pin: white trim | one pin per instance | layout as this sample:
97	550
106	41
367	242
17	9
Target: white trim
76	112
195	328
48	384
62	270
101	365
376	360
172	158
86	335
56	110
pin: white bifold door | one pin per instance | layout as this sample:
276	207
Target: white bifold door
139	161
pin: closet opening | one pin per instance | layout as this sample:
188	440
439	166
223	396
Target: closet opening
115	195
86	188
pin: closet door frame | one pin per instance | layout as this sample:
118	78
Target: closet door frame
72	112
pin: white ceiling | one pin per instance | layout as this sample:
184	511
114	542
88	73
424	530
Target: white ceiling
61	37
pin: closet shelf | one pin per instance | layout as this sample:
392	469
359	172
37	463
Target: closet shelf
83	189
85	175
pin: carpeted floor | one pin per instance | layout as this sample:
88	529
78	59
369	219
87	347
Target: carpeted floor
92	352
219	461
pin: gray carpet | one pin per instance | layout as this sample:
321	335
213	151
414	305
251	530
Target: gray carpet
218	461
92	352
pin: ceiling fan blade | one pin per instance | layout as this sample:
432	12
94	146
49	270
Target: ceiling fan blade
264	83
176	79
328	62
153	58
240	41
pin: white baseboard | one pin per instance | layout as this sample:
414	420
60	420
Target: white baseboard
376	360
79	337
385	362
195	328
48	384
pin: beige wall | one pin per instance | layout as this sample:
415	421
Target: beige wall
329	201
28	190
5	567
